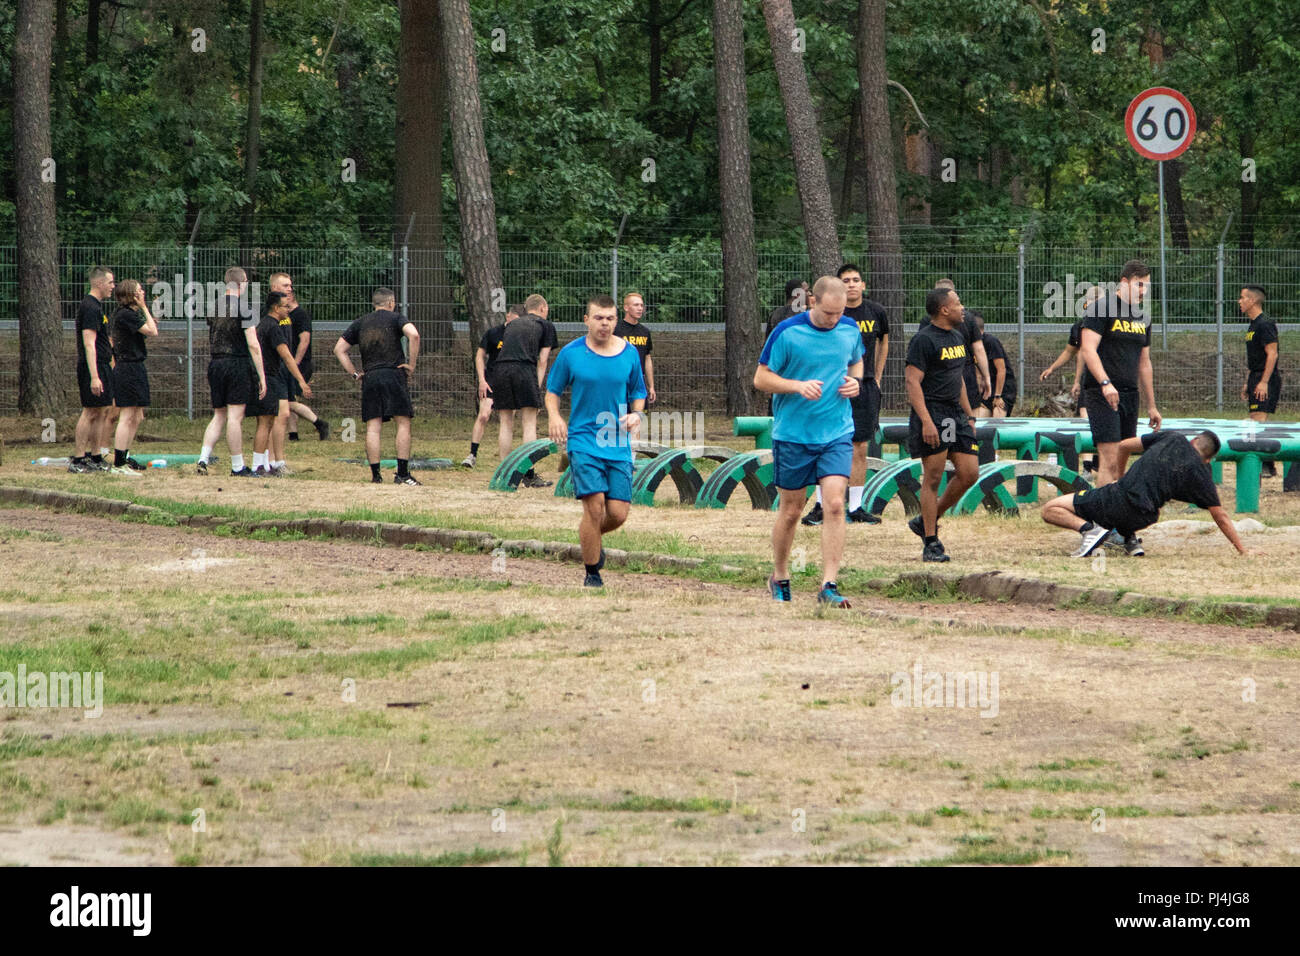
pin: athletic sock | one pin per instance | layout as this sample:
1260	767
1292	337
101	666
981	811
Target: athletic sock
293	436
931	538
277	464
402	465
819	494
259	460
98	459
236	462
1087	526
473	448
104	451
593	568
531	474
374	469
205	454
119	458
855	497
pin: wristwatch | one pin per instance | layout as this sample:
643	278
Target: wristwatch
1105	382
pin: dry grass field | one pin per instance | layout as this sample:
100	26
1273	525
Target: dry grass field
336	702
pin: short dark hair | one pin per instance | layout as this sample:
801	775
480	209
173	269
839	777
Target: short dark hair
381	295
1258	290
935	300
1210	441
1134	269
517	309
601	300
978	317
273	299
847	267
791	286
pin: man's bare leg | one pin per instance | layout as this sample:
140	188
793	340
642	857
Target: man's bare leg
783	529
833	490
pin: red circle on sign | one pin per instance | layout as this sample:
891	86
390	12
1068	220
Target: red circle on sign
1189	132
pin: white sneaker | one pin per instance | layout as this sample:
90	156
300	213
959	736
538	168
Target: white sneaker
124	470
1091	541
469	461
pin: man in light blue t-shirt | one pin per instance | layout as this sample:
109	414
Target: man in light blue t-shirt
609	392
812	365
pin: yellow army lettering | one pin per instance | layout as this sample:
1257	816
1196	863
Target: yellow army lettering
1123	325
867	325
952	352
635	339
1249	336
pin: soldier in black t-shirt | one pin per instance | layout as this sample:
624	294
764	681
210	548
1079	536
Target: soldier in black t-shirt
274	335
979	385
633	330
132	322
1003	399
300	345
385	392
1263	376
941	426
1172	468
1116	350
520	374
94	374
485	356
236	375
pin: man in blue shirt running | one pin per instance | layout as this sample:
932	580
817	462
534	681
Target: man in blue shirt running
609	392
812	365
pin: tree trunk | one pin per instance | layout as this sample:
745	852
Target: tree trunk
744	328
81	172
248	223
886	255
40	327
418	174
481	258
850	158
1174	204
60	78
805	141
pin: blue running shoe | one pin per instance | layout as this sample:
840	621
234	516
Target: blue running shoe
830	594
780	590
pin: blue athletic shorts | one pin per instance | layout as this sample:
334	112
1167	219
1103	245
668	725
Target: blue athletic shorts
796	466
592	475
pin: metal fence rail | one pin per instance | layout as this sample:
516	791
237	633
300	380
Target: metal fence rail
1027	292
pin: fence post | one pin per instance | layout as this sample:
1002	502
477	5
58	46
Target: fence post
1218	321
1020	314
189	333
406	262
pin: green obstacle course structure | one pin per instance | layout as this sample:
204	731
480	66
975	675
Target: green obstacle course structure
759	427
990	492
515	465
753	470
901	480
677	464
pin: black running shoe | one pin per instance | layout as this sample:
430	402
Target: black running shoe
535	481
79	466
1133	546
861	515
814	517
135	465
244	472
405	480
100	465
934	552
376	480
322	429
593	581
201	468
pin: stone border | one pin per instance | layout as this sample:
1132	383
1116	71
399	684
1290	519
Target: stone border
997	586
985	585
373	531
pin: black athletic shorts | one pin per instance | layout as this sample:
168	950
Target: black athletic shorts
1252	403
232	381
1008	397
106	376
276	390
866	411
1112	425
955	433
131	385
514	385
1109	507
384	394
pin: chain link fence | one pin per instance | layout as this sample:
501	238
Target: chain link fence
1029	295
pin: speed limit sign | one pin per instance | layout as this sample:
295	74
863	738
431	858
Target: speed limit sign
1160	123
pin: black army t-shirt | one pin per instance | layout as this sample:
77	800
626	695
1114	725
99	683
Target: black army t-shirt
994	350
491	345
1076	335
1169	469
1125	331
873	323
525	338
380	336
226	331
129	340
92	315
270	333
300	319
1262	331
941	355
637	335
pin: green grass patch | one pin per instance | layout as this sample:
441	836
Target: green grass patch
1052	784
474	857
